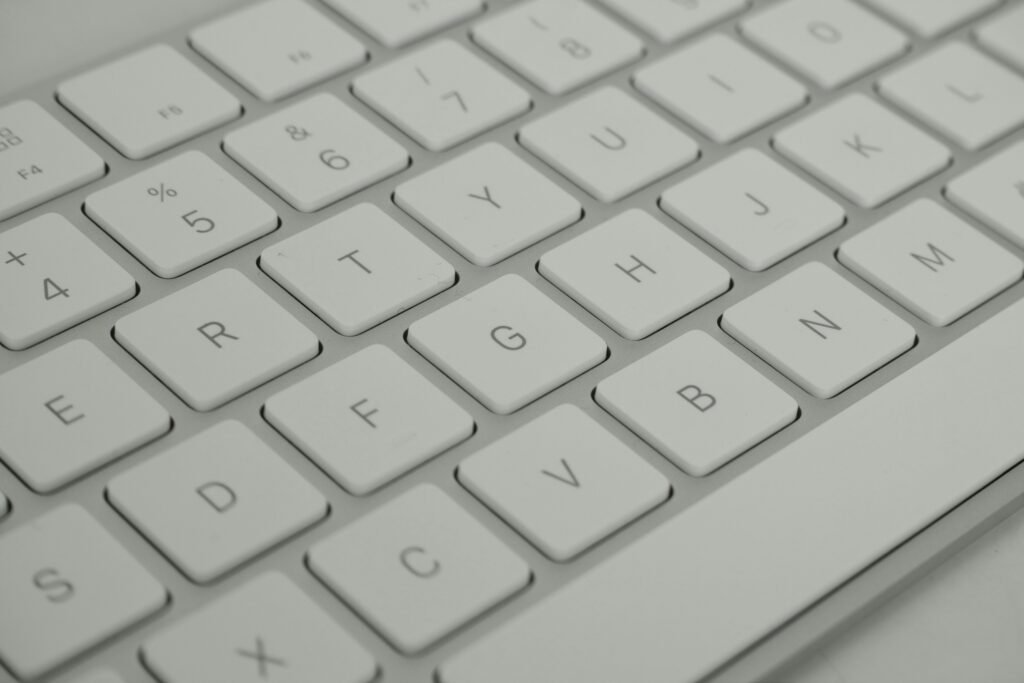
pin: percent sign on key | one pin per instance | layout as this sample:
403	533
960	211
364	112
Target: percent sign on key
162	191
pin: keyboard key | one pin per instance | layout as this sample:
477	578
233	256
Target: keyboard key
697	403
753	209
831	42
357	269
558	45
216	500
839	499
268	629
39	158
1002	36
539	481
993	192
71	411
671	20
634	274
720	88
180	214
4	506
315	152
928	18
862	150
818	329
441	95
488	204
507	344
399	22
66	585
53	277
148	101
278	47
931	262
216	339
966	96
104	676
608	144
368	419
418	567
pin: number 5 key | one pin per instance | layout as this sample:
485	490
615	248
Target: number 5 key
181	214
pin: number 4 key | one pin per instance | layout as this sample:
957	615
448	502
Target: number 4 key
53	277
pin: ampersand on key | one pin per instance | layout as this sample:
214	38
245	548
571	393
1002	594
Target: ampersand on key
296	133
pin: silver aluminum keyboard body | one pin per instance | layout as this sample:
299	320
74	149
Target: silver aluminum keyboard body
909	561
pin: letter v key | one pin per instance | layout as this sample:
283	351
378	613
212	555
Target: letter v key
571	480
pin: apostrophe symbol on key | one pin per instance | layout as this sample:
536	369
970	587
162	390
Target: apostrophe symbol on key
162	192
297	134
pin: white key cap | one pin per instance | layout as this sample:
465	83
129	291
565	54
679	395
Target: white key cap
368	419
180	214
148	101
53	277
418	568
831	42
66	585
753	209
104	676
268	629
862	150
216	500
71	411
929	18
488	204
563	482
399	22
216	339
966	96
315	152
839	499
608	144
441	94
278	47
993	192
357	269
818	329
931	262
634	274
670	20
720	88
558	44
39	158
507	344
1002	36
696	402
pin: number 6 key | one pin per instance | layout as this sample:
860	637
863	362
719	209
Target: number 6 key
315	152
181	214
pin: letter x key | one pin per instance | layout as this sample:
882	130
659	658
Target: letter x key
263	659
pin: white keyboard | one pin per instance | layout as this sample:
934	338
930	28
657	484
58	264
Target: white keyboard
545	341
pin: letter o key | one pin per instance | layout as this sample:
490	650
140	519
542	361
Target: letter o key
512	342
418	562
